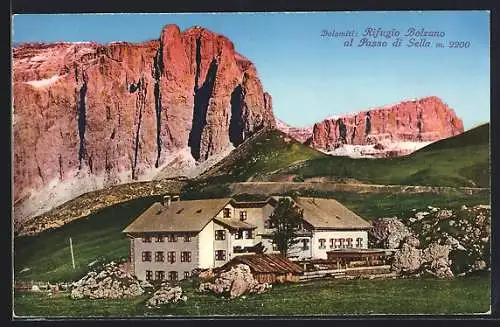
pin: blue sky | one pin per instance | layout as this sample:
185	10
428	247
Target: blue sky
311	77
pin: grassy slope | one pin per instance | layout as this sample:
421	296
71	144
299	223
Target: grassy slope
99	235
462	160
400	296
479	135
459	161
264	153
374	205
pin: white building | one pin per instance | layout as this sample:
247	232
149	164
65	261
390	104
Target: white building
172	238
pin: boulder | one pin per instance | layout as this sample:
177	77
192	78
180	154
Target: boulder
454	243
444	214
109	283
166	294
411	240
480	265
234	283
440	267
238	288
407	260
435	251
388	232
436	257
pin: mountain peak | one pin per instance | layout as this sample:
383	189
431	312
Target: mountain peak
417	121
137	105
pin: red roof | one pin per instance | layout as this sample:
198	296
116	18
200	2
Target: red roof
267	263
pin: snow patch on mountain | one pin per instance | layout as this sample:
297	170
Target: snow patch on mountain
390	149
182	163
43	83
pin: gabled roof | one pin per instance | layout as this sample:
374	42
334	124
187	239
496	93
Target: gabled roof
266	263
323	213
254	204
180	216
234	223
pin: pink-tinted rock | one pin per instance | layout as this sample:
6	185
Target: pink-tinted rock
422	120
118	110
301	134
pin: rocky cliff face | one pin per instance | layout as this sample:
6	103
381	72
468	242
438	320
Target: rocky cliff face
88	115
393	128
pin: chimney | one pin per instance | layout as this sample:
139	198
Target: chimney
167	199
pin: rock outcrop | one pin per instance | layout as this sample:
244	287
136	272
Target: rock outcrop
234	283
166	294
465	231
407	259
433	260
450	242
388	233
109	283
88	115
387	131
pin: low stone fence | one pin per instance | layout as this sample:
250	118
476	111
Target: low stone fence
366	272
38	286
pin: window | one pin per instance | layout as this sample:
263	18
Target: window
220	255
187	238
305	244
186	256
146	239
243	215
186	274
159	275
322	242
349	242
146	256
342	243
149	275
159	256
332	243
160	238
359	242
171	257
172	238
172	275
226	213
220	235
238	235
249	234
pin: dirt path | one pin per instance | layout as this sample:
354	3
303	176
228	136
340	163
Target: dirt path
284	187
